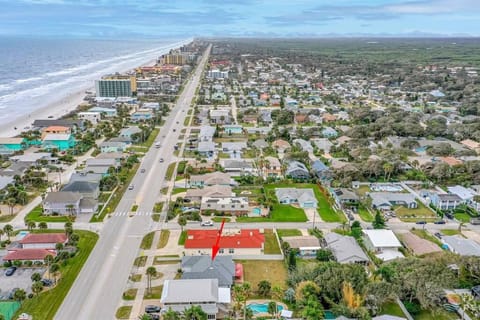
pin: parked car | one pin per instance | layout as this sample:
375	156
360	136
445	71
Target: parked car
10	271
449	215
440	222
142	171
438	235
207	223
47	282
421	222
152	309
130	187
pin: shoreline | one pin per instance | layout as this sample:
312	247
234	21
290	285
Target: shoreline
60	106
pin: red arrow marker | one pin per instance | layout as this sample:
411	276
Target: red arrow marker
216	246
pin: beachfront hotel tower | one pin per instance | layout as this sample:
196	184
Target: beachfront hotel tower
115	87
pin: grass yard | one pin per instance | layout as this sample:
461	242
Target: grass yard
157	208
6	217
255	271
179	190
364	214
392	308
170	169
153	293
162	242
46	304
451	232
37	216
280	213
440	314
140	261
424	234
151	138
288	232
271	243
136	277
123	312
182	238
220	219
130	294
412	215
147	241
155	217
462	217
158	261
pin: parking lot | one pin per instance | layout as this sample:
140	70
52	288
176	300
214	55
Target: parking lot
20	279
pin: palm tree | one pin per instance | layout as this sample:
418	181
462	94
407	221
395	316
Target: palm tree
48	260
59	246
37	287
272	308
194	313
182	221
36	277
10	202
20	295
171	315
42	225
31	225
54	269
151	272
462	224
8	229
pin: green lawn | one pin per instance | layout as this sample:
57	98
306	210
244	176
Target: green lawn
440	314
220	219
46	304
450	232
153	293
179	190
157	208
273	271
462	217
136	277
170	169
364	214
392	308
412	215
147	241
280	213
36	216
140	261
151	138
6	217
130	294
155	217
426	235
162	242
123	312
182	238
271	243
288	232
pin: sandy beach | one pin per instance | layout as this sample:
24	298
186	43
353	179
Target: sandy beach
58	107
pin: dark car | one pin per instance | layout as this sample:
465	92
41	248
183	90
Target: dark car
152	309
440	222
142	171
10	271
438	235
152	316
449	215
47	282
421	222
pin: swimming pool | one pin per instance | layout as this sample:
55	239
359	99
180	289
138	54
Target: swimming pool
22	235
262	307
257	211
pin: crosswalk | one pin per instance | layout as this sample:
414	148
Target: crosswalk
127	213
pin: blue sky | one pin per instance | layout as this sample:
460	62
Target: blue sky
185	18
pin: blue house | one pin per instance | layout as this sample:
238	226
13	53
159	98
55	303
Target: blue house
142	115
329	132
233	129
113	146
10	145
60	141
107	112
320	169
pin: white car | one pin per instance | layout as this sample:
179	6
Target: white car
207	223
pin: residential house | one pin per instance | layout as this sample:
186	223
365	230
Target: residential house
106	112
58	141
329	132
237	206
216	191
472	145
386	200
305	198
345	249
178	295
113	146
467	195
320	170
55	130
86	188
10	145
220	116
266	116
417	245
328	117
307	246
281	145
445	201
342	140
154	106
206	133
86	176
462	246
322	144
33	255
62	202
260	144
206	148
238	167
297	170
345	196
34	158
232	129
304	145
91	116
272	167
98	162
383	243
210	179
234	148
129	133
74	125
201	267
5	181
42	240
141	115
232	242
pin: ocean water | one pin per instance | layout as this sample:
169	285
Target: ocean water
35	73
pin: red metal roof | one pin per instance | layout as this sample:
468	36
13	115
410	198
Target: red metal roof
44	238
29	254
247	238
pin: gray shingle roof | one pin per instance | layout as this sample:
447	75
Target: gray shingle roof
202	267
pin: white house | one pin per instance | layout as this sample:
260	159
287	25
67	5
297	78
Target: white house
92	117
383	243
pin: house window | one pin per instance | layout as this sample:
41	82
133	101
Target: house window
211	316
221	251
231	250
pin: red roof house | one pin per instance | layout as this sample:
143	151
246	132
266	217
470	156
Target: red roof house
29	254
42	240
246	241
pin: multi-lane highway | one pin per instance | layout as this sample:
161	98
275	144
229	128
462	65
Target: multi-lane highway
99	286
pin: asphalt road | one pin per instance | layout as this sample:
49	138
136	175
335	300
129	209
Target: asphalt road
99	286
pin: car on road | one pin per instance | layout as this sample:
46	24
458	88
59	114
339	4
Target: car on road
143	170
207	223
161	160
50	117
174	130
177	122
130	187
10	271
152	309
421	222
438	235
440	222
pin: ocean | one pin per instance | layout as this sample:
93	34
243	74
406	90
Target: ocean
34	73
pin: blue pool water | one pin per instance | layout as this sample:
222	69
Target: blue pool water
22	234
257	211
262	307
